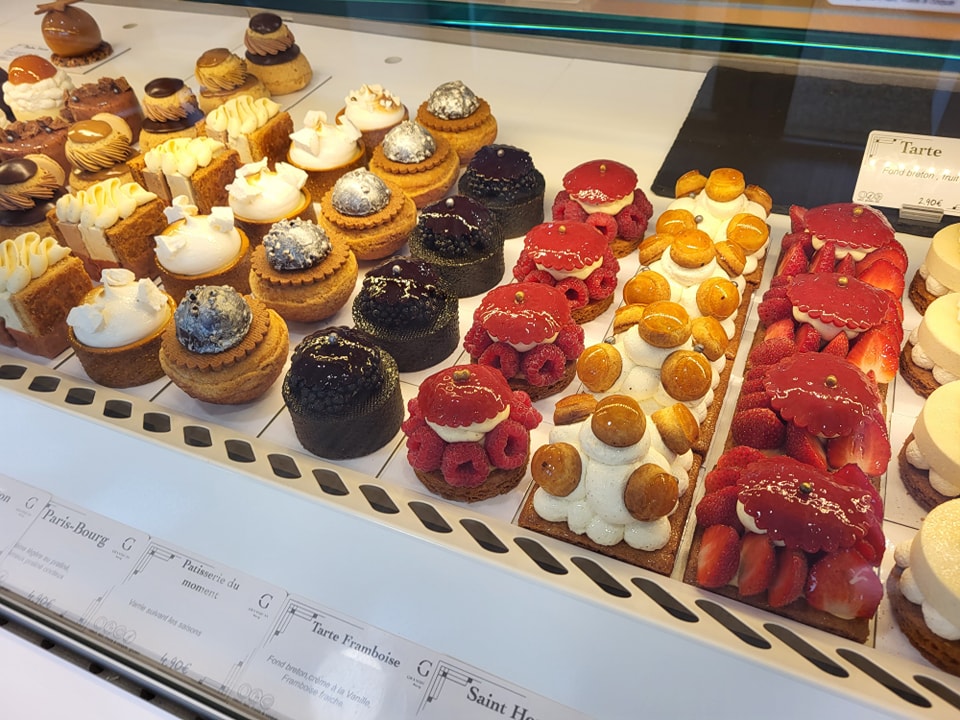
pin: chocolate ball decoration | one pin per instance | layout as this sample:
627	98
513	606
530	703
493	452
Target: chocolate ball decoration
72	34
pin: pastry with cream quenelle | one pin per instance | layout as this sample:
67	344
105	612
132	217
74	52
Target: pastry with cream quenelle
223	347
273	55
343	394
931	355
325	152
406	308
468	433
196	249
34	88
44	136
576	259
604	193
525	330
29	189
259	197
255	127
105	95
616	482
374	111
72	34
504	179
924	591
301	273
223	76
116	330
423	166
40	280
170	110
939	273
373	215
98	149
455	113
929	460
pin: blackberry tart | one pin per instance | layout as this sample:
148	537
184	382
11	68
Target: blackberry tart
463	240
503	178
406	308
343	394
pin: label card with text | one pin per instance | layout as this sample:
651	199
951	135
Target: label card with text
69	558
189	614
20	504
919	173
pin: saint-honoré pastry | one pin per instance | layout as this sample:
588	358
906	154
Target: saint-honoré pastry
259	197
616	482
525	330
424	167
197	249
931	355
223	76
110	224
106	95
198	167
373	110
930	458
35	88
456	114
273	55
939	273
98	149
45	136
170	110
72	34
29	189
223	347
468	433
343	394
924	588
302	274
503	178
406	309
576	259
373	215
325	152
604	193
116	331
255	127
40	280
463	241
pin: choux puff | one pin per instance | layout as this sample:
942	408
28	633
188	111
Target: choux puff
710	338
677	426
645	287
665	324
686	375
692	249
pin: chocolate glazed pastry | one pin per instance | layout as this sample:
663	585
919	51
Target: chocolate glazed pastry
503	178
27	193
161	89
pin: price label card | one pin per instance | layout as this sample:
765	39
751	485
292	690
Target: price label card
20	504
189	614
316	663
919	174
69	558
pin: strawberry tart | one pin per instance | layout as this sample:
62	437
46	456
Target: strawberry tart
468	433
931	355
930	458
575	258
525	330
939	273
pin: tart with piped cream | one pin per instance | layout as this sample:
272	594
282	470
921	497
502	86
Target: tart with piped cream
931	355
255	127
930	458
325	151
260	196
939	273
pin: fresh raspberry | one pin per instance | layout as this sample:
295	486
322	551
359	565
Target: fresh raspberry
524	266
464	464
476	340
575	290
601	283
633	219
610	260
523	411
543	365
413	408
566	209
507	445
606	224
503	357
719	508
570	340
772	351
539	276
425	449
720	477
758	427
414	418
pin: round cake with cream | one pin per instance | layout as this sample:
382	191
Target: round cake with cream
930	458
939	273
931	356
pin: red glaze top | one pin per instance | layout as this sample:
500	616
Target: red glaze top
839	300
600	181
464	394
805	507
523	313
565	246
823	393
849	225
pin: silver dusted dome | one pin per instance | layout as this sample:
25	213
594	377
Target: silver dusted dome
212	318
409	142
452	100
359	193
295	244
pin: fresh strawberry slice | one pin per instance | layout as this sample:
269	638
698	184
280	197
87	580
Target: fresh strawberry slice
789	577
846	266
770	352
852	476
798	221
839	346
844	584
805	446
793	261
720	477
719	508
757	564
824	259
759	428
462	395
874	350
867	447
784	327
523	313
893	330
755	385
884	275
719	556
756	399
892	253
739	456
803	507
758	372
807	338
774	309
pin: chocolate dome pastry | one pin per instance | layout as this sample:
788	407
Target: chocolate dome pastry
503	178
72	34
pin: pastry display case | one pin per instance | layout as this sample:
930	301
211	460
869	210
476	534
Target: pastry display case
786	92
